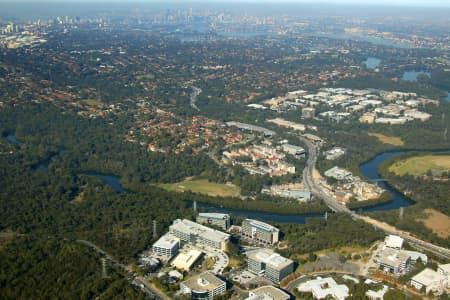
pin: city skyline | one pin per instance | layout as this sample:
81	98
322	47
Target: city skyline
420	3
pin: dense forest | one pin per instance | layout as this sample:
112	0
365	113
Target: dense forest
53	268
337	231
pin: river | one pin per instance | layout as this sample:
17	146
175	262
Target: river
111	180
369	169
12	139
372	62
412	75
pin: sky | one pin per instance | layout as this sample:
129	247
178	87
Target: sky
439	3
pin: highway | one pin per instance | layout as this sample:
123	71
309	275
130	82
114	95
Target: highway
317	188
134	279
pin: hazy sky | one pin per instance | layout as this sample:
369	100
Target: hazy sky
438	3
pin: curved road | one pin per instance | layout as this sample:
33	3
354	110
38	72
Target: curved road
318	189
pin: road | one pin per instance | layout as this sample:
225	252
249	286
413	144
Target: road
318	189
140	281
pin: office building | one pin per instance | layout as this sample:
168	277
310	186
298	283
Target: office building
271	265
216	219
322	288
429	281
194	233
445	270
268	292
167	246
204	286
260	232
393	261
393	242
186	260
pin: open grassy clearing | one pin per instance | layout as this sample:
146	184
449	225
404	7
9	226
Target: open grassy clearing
93	103
420	165
203	186
391	140
145	77
437	222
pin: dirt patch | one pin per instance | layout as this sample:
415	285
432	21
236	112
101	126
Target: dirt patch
6	237
437	222
391	140
78	199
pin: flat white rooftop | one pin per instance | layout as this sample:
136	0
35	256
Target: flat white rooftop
270	258
262	225
185	261
393	241
217	216
268	292
428	277
167	241
190	227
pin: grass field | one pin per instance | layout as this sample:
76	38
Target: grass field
145	77
202	186
94	103
420	165
391	140
437	222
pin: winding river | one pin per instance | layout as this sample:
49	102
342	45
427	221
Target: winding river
369	169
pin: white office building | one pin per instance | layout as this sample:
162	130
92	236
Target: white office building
167	246
268	292
321	288
204	286
271	265
445	270
216	219
194	233
429	281
260	232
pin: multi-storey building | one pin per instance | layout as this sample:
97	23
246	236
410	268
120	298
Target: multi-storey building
191	232
204	286
259	232
271	265
396	262
216	219
268	292
167	246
